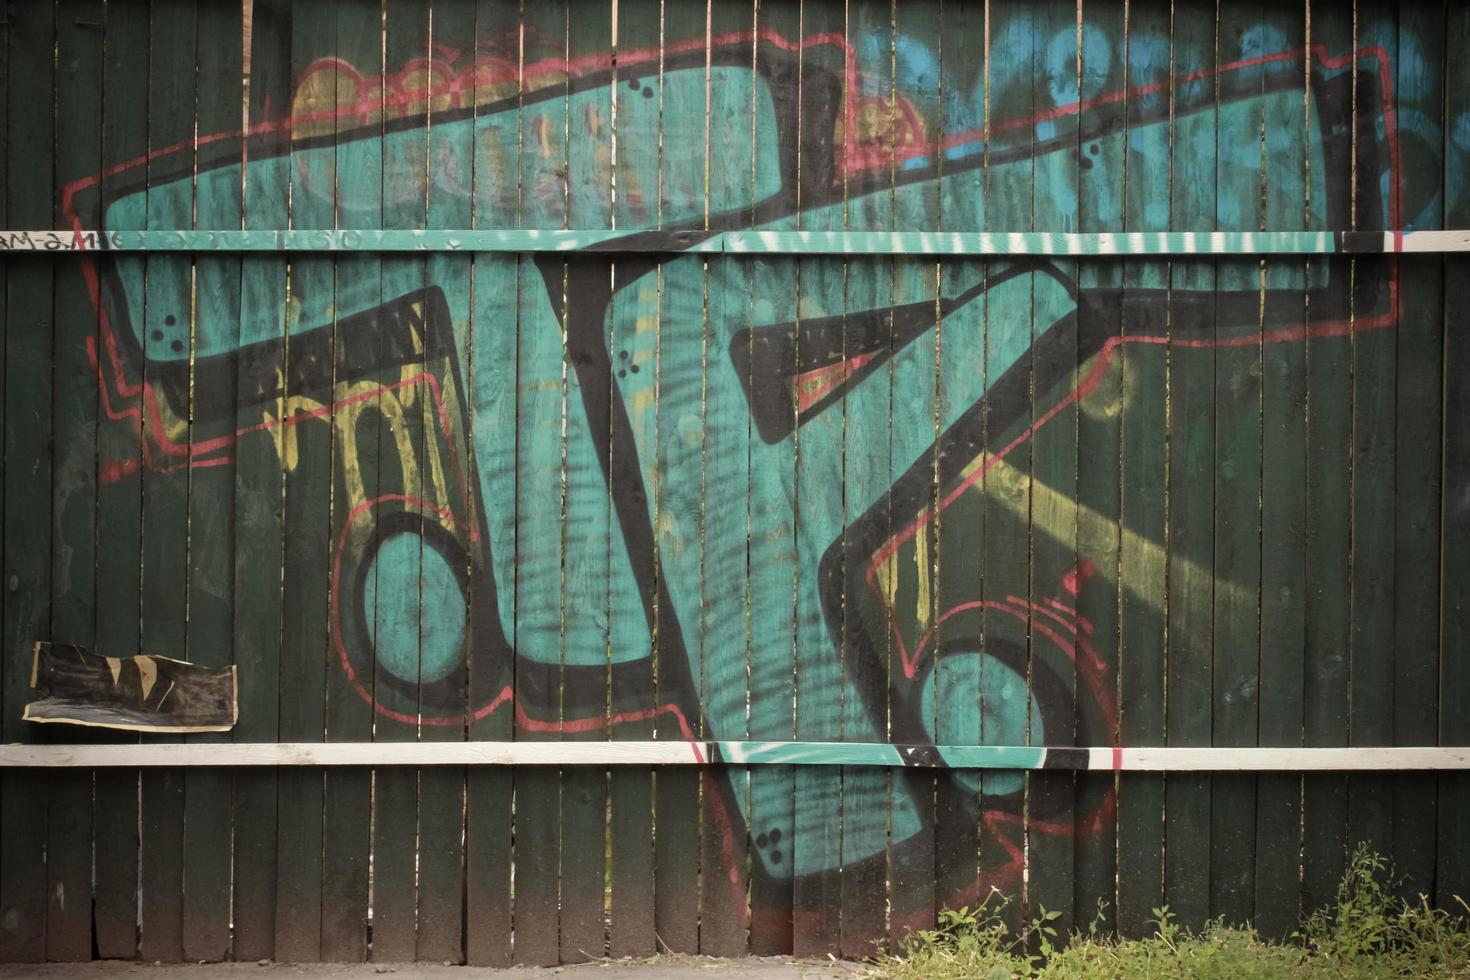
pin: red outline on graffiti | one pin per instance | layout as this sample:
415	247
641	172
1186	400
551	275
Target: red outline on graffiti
523	720
152	431
1103	360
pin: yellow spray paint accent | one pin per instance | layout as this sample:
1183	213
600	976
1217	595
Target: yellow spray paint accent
282	435
888	580
391	406
1112	398
641	403
1185	574
925	591
147	674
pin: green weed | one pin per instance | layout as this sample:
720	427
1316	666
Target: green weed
1366	933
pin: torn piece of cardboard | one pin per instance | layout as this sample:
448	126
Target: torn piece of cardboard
135	694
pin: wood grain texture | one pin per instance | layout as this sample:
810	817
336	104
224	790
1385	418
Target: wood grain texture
74	476
724	478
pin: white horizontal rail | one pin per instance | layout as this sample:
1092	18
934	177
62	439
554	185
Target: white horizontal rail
1143	759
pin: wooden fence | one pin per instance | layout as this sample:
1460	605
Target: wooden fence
874	441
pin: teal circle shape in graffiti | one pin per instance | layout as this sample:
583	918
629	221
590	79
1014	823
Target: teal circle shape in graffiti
951	692
415	610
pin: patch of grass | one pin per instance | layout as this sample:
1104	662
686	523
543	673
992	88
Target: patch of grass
1367	933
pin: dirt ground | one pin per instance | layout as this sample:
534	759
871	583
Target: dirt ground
658	968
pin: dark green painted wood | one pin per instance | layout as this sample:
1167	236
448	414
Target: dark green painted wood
1372	662
956	553
677	806
259	497
773	563
119	509
1452	865
630	791
1329	435
677	809
1142	563
1100	459
27	476
817	832
1191	512
164	628
870	413
1298	552
1007	488
587	509
538	833
725	629
442	798
538	791
1419	89
400	183
1278	836
206	924
1054	524
74	475
492	398
1235	710
304	644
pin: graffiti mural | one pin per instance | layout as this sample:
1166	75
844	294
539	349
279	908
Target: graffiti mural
638	489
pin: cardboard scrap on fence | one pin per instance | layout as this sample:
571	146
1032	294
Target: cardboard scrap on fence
142	693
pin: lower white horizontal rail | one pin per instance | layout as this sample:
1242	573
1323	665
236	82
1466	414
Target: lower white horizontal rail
677	753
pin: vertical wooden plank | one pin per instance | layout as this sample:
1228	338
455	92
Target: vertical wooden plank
634	329
585	648
585	639
724	631
74	474
217	299
384	176
27	475
680	379
493	428
1191	453
488	806
1102	68
1418	85
1283	495
1009	96
820	679
540	468
119	498
1372	661
1142	563
634	321
773	552
1051	797
304	648
872	423
259	492
1235	709
168	320
359	164
682	166
1452	864
1328	440
958	551
450	175
537	832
